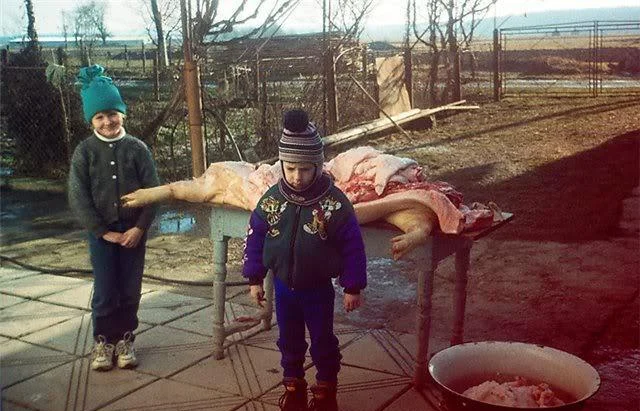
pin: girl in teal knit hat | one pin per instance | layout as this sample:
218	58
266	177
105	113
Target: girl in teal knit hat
107	164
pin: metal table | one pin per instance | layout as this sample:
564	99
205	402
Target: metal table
228	222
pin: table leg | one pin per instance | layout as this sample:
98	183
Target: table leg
425	291
268	304
460	295
219	292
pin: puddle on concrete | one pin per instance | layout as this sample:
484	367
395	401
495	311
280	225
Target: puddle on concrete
391	288
175	222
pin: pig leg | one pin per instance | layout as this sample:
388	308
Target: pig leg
417	224
146	196
203	189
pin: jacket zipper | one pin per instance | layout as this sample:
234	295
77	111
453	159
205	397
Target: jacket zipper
292	254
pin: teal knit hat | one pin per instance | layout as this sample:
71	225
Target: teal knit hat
98	92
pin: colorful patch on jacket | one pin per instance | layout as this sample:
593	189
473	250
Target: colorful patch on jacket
274	209
321	216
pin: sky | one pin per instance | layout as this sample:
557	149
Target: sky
125	17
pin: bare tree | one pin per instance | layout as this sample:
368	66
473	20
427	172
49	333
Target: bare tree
163	21
66	23
88	27
207	28
32	34
450	27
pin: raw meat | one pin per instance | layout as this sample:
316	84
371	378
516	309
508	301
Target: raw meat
518	393
381	187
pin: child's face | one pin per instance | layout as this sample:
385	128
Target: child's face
107	123
299	175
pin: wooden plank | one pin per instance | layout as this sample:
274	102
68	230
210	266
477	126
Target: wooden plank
393	96
384	124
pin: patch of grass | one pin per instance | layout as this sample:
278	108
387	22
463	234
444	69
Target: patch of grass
36	184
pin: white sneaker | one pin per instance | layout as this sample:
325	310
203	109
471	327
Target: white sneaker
125	352
102	355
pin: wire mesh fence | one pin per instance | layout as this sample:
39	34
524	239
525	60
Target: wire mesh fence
592	58
245	90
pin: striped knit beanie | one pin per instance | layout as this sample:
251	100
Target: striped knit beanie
300	141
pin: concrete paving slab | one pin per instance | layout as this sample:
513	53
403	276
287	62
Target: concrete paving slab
7	300
77	297
358	389
73	386
163	351
246	371
74	336
35	286
258	406
264	339
21	360
30	316
201	321
381	350
347	333
12	273
175	395
415	400
10	406
160	307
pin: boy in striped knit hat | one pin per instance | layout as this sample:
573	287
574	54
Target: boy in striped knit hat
305	230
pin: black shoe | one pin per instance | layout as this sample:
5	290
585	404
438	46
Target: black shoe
294	397
324	398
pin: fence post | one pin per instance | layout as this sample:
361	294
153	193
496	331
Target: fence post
457	88
264	132
144	58
156	76
365	63
256	79
126	55
496	66
408	74
332	101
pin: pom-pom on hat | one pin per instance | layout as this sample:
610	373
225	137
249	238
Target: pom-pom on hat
98	92
300	141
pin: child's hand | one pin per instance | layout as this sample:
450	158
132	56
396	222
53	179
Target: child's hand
257	294
131	237
351	301
112	237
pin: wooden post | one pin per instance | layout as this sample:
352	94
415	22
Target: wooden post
365	63
126	55
156	76
193	97
332	100
263	115
256	80
457	88
408	75
144	58
496	66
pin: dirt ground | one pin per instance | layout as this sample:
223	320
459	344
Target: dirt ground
563	273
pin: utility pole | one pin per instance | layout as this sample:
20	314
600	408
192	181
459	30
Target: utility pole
193	97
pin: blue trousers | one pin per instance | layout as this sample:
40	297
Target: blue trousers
117	285
313	308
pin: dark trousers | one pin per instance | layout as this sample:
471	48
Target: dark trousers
117	273
313	308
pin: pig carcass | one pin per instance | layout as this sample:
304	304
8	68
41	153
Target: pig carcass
382	187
